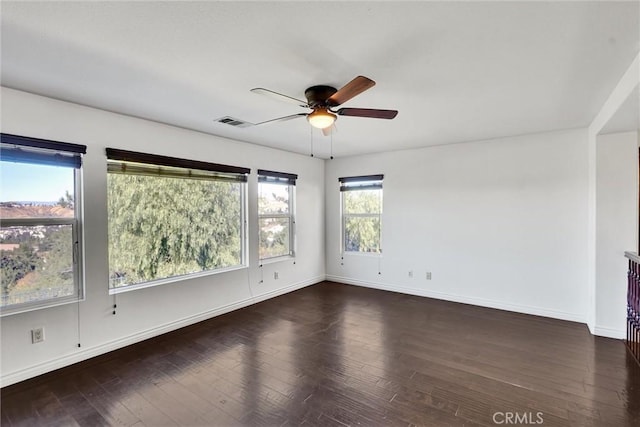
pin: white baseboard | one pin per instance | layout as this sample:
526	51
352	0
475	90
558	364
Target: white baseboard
483	302
603	331
87	353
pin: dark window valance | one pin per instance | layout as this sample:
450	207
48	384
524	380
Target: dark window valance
364	182
24	149
131	162
277	177
361	178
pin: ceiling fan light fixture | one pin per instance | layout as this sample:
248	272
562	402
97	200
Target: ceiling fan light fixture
321	118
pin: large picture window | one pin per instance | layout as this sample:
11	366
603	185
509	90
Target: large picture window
40	218
170	218
361	213
276	192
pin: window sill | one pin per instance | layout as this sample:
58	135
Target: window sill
173	279
363	254
277	259
27	307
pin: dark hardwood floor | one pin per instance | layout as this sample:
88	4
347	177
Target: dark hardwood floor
334	354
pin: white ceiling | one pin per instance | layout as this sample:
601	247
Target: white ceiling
456	71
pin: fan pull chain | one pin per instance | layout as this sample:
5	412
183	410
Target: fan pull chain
332	144
78	319
380	232
311	133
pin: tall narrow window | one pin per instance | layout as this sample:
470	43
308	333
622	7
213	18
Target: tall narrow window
172	218
41	223
361	213
276	193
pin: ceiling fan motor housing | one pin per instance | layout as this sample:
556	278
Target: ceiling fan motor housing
317	96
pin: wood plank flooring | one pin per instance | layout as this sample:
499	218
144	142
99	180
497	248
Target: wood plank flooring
336	355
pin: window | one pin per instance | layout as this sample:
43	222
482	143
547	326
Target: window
40	225
276	214
172	218
361	213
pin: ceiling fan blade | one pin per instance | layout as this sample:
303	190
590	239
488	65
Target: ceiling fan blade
368	112
351	89
282	119
279	96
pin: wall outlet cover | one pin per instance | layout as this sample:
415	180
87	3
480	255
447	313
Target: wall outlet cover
37	335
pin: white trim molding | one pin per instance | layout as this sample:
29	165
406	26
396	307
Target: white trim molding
482	302
87	353
603	331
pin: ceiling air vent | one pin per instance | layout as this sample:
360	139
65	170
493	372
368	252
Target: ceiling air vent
232	121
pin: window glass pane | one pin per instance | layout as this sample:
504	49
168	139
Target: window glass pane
273	199
162	227
274	237
36	263
36	191
362	234
362	202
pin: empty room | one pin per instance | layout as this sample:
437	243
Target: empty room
320	213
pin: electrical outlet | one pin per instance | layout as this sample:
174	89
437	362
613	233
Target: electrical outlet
37	335
428	275
275	275
411	273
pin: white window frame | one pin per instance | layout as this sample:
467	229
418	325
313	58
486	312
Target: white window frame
360	183
77	241
165	163
273	178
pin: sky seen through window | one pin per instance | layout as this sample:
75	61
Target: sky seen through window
21	182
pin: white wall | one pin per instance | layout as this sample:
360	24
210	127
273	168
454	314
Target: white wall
499	223
148	312
616	227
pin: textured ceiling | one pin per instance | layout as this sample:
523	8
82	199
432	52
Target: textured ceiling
456	71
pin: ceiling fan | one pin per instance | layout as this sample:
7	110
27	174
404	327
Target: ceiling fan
323	99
